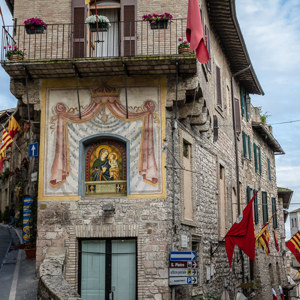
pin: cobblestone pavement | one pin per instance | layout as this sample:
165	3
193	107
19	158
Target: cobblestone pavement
17	273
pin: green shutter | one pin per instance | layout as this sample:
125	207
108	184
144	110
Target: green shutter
247	105
269	169
264	207
249	147
244	143
242	102
259	160
256	219
255	157
273	211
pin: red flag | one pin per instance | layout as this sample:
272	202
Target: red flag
194	32
242	233
276	240
294	245
274	294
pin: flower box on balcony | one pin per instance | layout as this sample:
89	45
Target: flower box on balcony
158	21
163	24
101	27
35	26
34	29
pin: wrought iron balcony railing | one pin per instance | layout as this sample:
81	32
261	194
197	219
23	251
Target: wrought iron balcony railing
69	41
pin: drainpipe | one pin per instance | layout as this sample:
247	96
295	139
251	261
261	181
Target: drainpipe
237	156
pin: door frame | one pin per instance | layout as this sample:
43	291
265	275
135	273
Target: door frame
107	271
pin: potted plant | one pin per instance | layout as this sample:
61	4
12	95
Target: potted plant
103	23
35	25
183	47
14	53
158	21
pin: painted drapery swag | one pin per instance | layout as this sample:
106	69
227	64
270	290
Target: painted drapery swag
102	98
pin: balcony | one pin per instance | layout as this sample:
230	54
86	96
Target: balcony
131	47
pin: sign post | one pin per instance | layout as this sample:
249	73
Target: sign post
182	268
33	150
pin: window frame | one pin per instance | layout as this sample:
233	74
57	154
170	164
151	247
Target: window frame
264	197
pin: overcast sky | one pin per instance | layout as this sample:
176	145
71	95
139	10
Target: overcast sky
271	29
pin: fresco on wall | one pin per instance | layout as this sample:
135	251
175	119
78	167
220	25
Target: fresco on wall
103	112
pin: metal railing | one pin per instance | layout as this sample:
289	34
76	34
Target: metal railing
116	187
68	41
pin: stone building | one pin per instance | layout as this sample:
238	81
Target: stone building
144	150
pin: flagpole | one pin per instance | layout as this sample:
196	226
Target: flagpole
13	140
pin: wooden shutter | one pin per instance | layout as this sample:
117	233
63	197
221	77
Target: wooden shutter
244	144
249	148
242	102
247	105
273	211
79	13
218	86
237	116
255	156
269	169
207	36
259	160
256	219
216	128
264	207
128	28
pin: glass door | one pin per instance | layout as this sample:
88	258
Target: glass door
108	269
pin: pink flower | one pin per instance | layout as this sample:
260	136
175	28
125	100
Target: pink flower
186	42
180	39
9	46
4	47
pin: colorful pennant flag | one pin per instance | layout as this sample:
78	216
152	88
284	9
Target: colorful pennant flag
242	234
13	127
276	240
6	141
194	32
294	245
263	238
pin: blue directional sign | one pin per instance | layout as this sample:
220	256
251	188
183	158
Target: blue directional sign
33	150
182	255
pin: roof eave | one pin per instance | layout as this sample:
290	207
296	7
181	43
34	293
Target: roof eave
10	5
224	21
263	131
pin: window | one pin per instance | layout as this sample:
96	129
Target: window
119	40
255	157
265	207
105	168
218	86
234	205
222	202
244	103
246	145
292	222
273	211
269	169
187	179
256	219
108	269
249	190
